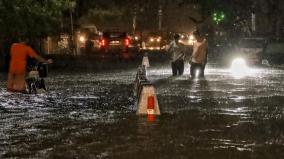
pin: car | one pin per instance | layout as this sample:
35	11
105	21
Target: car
273	54
185	38
153	41
88	38
251	49
114	41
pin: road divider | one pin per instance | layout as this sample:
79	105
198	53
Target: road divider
145	93
145	61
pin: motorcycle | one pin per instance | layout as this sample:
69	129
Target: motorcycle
35	79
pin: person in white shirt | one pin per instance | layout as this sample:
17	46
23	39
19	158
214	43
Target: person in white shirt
199	55
177	51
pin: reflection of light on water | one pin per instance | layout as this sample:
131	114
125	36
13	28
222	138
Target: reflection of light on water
197	73
84	97
240	111
241	146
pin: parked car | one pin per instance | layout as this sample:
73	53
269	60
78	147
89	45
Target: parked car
273	53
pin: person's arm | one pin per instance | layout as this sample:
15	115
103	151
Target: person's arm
33	54
169	47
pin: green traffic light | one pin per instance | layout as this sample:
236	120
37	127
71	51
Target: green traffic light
222	15
218	16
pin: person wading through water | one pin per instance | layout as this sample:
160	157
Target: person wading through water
177	51
17	71
199	55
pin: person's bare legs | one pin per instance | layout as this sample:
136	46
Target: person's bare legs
16	82
20	83
10	82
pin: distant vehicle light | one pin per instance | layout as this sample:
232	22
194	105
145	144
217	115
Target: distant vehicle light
151	39
82	39
103	42
127	42
136	38
239	67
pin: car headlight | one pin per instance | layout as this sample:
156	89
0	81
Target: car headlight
239	67
82	39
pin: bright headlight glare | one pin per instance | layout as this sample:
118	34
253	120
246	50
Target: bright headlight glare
239	67
82	39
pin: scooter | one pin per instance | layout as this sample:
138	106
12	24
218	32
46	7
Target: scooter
35	79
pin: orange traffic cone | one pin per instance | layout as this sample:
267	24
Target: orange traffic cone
147	102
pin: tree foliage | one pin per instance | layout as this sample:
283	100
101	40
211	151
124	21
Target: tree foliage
104	13
22	18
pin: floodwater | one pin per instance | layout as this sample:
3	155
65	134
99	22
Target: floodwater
92	115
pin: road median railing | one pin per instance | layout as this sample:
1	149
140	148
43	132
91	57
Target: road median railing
145	93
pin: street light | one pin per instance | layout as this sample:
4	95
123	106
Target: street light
160	14
134	19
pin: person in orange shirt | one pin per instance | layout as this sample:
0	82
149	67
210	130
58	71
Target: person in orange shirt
17	71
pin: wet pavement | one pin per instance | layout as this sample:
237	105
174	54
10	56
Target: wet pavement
92	115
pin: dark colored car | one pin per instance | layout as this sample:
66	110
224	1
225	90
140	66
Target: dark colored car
114	42
274	53
251	49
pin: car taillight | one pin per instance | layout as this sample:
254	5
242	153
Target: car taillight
103	42
127	42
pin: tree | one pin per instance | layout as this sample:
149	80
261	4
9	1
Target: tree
271	13
104	13
30	18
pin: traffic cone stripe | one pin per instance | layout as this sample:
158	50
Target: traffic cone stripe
151	102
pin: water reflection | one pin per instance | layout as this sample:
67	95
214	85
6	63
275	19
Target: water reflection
217	117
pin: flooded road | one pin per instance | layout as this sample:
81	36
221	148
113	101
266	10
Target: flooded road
92	115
